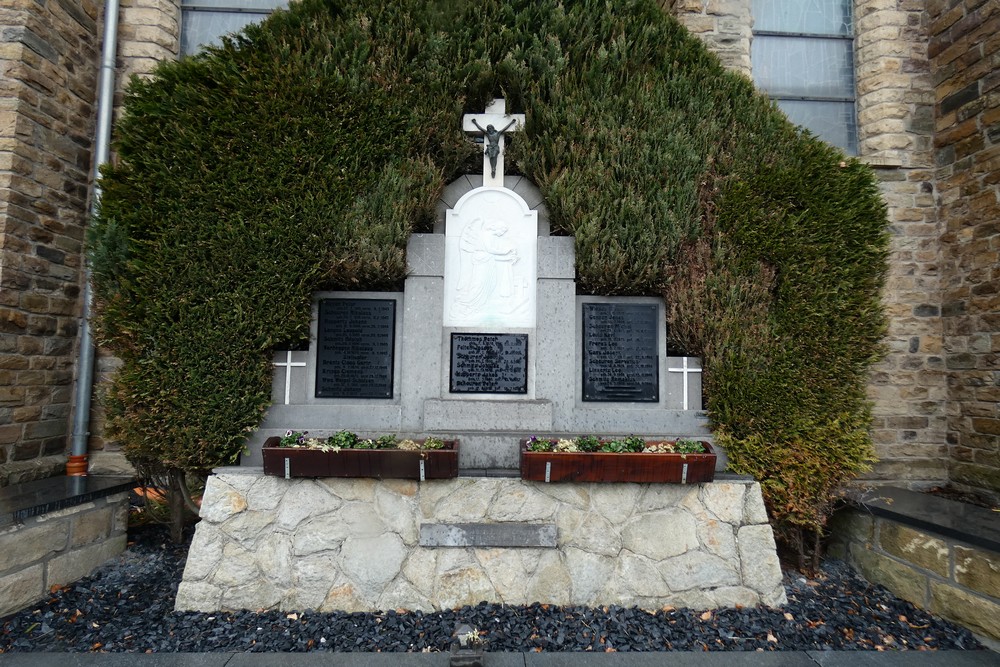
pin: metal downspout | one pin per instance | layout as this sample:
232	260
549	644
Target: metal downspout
77	463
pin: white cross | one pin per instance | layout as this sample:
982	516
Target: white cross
685	370
501	122
287	365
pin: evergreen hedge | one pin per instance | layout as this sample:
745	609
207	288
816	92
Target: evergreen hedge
300	154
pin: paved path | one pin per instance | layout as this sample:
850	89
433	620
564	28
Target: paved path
667	659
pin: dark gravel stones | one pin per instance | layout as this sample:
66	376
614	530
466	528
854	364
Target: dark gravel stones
127	605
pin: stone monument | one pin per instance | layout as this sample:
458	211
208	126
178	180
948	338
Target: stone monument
490	343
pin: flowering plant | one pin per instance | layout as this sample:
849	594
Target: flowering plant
348	440
629	444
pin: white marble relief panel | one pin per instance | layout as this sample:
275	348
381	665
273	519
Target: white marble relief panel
490	261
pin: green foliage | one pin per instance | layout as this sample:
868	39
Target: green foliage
689	447
588	443
301	154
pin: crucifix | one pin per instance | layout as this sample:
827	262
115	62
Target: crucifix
493	124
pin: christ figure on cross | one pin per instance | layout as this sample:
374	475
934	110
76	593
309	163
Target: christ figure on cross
493	143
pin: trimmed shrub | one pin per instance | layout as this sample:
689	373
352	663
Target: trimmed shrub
300	154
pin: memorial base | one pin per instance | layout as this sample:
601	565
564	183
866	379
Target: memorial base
357	544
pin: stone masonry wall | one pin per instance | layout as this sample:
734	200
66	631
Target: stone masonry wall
58	548
951	579
965	53
724	25
48	60
353	544
895	101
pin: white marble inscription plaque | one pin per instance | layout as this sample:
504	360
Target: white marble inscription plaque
490	261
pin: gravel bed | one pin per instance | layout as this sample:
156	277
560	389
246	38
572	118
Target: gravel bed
127	605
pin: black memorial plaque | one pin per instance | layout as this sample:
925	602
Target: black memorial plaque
483	363
354	349
620	360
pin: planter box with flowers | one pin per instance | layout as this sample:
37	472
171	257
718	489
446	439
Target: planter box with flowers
344	454
631	459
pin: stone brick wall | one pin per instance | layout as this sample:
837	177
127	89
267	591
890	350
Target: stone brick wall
59	548
965	50
949	578
148	33
49	61
895	102
724	25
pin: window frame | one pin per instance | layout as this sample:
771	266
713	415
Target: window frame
849	37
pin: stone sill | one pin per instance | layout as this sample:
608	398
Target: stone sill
976	526
21	501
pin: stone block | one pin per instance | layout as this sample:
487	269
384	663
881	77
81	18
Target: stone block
852	525
23	545
488	535
495	415
91	526
913	546
978	569
662	535
759	564
20	589
905	581
76	564
974	612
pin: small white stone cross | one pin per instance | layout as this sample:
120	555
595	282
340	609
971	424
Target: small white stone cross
685	371
288	364
494	124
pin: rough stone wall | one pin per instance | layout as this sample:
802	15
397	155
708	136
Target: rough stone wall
895	100
724	25
355	544
48	60
965	52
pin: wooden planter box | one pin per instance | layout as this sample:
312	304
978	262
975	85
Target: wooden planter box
608	467
291	462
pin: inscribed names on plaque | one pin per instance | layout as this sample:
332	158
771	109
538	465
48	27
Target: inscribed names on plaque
620	360
354	349
484	363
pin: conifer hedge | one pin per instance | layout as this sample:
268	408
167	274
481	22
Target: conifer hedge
300	154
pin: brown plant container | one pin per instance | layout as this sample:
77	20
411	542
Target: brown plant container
377	463
673	468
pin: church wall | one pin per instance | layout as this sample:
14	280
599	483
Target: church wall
895	101
925	403
965	50
49	61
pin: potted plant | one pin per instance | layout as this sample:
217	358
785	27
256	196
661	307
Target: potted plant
629	459
345	454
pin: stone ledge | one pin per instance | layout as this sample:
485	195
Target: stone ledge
973	525
21	501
